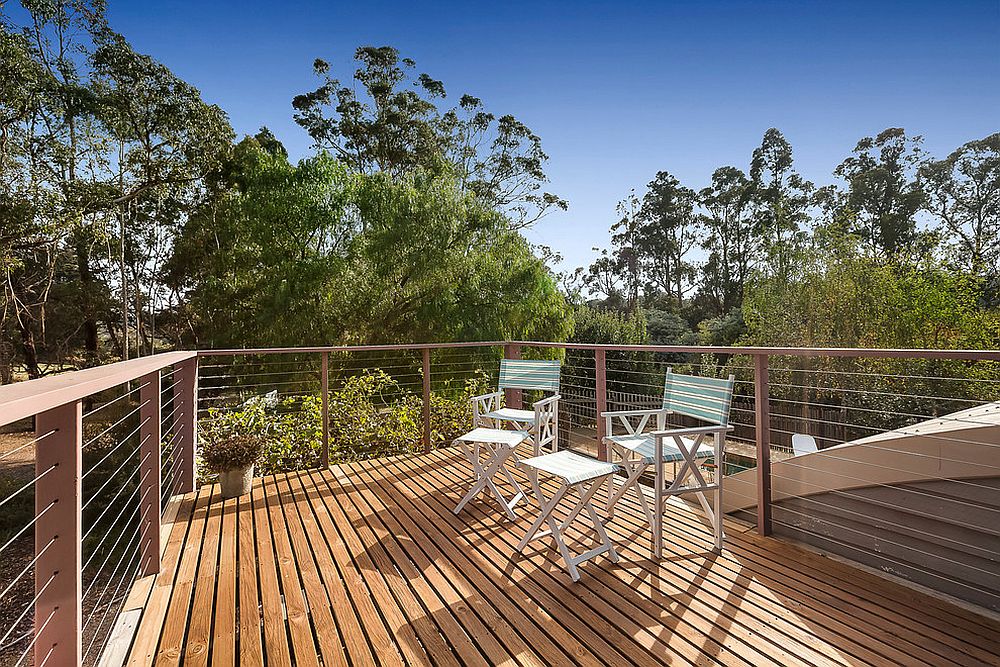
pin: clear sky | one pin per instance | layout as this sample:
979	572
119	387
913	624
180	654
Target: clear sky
616	90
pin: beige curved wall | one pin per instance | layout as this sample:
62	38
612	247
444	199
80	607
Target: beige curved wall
961	445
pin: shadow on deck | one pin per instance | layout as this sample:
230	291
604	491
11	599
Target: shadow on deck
366	563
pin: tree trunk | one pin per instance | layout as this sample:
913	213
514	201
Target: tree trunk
28	347
88	287
6	364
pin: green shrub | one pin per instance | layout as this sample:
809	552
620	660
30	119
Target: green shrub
295	436
370	416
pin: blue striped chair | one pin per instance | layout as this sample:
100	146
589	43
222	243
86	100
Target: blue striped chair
542	421
706	399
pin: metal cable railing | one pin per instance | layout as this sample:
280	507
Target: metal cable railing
899	480
94	463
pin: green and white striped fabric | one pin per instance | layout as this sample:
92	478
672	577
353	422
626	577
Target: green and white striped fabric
572	467
703	398
529	374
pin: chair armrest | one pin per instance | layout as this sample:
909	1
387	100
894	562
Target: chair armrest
694	430
545	401
485	397
633	413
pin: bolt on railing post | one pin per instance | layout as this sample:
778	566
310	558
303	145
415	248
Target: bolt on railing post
601	396
186	398
512	397
762	414
150	438
58	581
427	399
325	412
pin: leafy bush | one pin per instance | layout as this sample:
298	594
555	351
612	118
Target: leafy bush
295	436
370	416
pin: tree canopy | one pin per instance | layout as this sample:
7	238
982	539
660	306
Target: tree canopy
395	121
313	252
902	252
134	220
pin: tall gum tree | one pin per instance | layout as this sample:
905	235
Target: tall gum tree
391	120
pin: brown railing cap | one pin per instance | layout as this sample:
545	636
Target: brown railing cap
877	353
24	399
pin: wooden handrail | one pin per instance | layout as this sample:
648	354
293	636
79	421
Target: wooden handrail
871	353
31	397
345	348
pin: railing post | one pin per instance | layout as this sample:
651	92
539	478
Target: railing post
512	397
762	415
427	399
149	473
58	584
325	383
186	400
601	396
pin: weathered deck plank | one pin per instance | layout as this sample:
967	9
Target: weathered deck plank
367	564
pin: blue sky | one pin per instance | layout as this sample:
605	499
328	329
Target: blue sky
617	91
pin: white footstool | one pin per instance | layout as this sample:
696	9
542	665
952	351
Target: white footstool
498	445
584	476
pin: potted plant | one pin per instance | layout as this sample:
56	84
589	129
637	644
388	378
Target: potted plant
232	455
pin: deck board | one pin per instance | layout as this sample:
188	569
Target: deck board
367	564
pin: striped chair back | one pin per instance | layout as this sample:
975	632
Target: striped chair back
703	398
529	374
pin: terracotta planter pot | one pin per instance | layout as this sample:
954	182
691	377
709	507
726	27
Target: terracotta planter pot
236	482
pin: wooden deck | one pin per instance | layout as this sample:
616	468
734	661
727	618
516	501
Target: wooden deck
367	564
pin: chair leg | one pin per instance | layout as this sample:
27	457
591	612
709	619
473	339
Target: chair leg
601	533
634	469
718	518
556	532
719	463
484	480
658	512
546	507
610	506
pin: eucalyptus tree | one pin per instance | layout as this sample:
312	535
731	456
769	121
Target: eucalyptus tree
627	238
963	194
670	230
604	277
730	236
391	120
619	274
48	154
883	193
165	140
781	200
101	146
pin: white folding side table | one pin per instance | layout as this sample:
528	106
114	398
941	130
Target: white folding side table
492	446
584	476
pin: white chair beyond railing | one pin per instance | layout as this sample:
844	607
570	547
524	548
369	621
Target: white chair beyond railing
803	444
542	421
703	398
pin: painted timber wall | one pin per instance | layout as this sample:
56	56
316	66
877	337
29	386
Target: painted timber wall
921	503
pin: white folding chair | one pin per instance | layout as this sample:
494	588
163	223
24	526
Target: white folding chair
542	421
705	399
582	475
803	444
